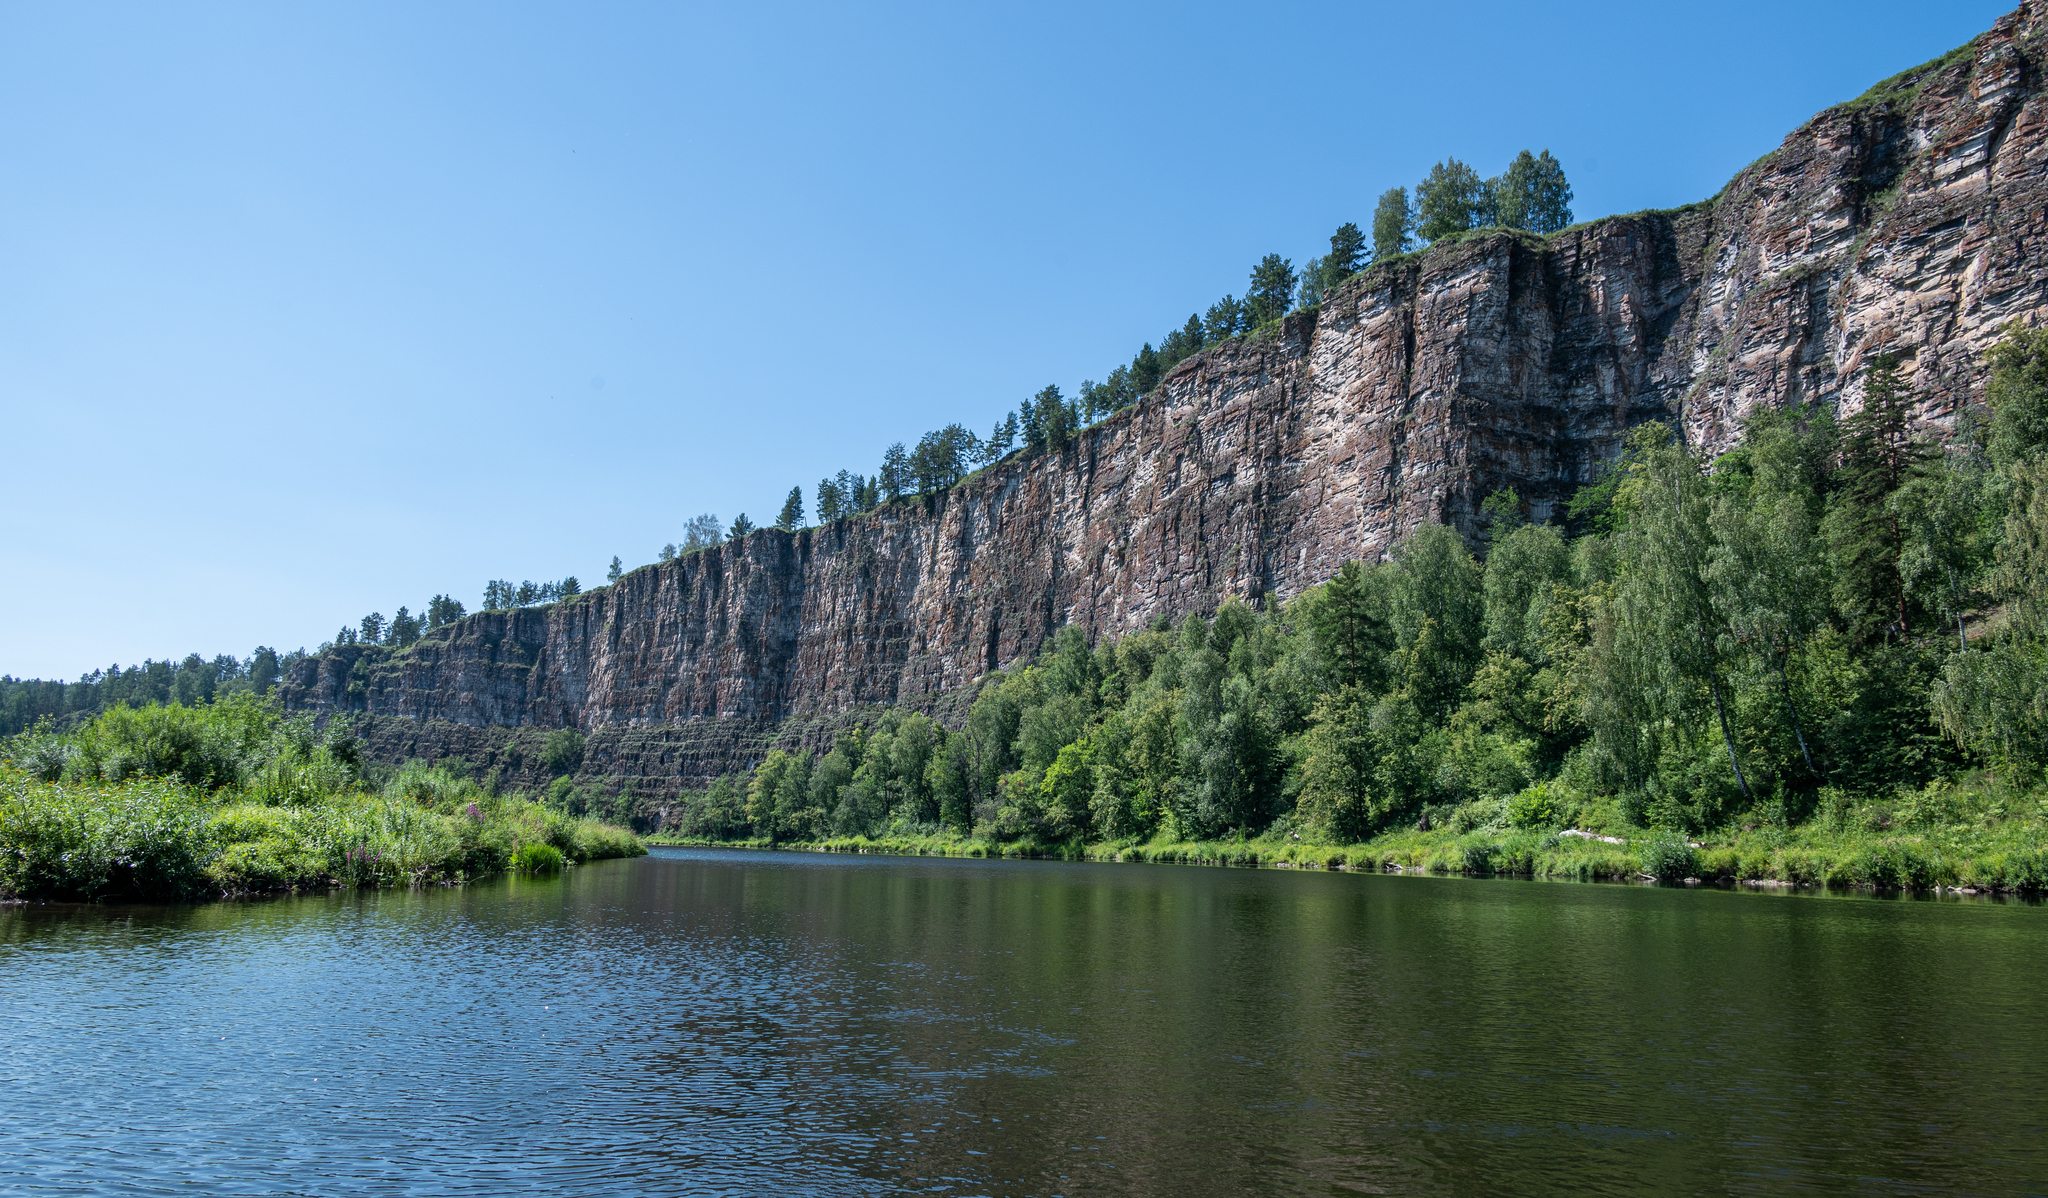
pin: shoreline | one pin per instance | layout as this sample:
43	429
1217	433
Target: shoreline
1375	859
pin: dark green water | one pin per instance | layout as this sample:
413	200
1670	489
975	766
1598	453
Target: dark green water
748	1023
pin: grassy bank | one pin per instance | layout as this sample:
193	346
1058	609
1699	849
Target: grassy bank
165	804
1971	837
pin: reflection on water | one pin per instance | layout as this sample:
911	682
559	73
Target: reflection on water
719	1022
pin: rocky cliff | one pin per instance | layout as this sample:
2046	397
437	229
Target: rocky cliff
1910	219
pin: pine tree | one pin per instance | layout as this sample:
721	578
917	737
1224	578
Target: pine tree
569	588
442	611
792	516
1055	418
617	571
1347	254
1145	369
1393	223
895	472
1226	319
1272	289
741	526
373	628
1864	530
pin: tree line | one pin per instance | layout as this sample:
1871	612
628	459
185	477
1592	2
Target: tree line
1532	193
197	680
194	681
1831	612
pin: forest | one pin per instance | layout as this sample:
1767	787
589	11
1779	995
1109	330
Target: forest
1835	626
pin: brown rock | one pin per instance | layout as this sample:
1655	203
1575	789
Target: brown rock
1911	220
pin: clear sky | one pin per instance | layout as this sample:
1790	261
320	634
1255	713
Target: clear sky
309	310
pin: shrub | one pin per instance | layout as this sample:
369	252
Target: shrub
1669	858
1538	806
537	859
562	751
143	842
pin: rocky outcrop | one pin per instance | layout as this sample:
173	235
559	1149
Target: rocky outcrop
1908	220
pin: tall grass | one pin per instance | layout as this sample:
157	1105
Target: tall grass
169	803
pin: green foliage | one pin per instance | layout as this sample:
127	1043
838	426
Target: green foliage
1534	195
1271	290
537	859
166	803
1347	256
792	515
1451	199
1681	664
561	751
1864	528
1669	859
2018	394
1393	225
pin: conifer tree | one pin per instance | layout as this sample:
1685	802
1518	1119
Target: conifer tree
1271	290
616	572
895	472
1863	527
1146	369
1346	256
1226	319
792	515
741	526
442	611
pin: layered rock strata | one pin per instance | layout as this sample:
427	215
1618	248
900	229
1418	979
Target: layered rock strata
1910	220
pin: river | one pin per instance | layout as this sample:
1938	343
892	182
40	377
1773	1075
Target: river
711	1022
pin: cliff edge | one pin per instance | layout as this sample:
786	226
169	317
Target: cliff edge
1910	220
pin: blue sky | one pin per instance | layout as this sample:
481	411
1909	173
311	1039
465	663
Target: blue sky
312	310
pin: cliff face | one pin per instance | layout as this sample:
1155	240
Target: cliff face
1909	220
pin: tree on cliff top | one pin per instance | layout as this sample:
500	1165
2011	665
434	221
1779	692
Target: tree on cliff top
1346	256
792	515
1534	194
741	526
702	532
1452	199
1272	288
1393	224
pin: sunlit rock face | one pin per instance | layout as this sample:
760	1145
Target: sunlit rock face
1911	220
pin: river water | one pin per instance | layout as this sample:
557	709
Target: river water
728	1022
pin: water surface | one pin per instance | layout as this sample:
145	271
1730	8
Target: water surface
723	1022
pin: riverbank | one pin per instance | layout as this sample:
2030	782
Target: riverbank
2001	856
168	803
157	840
